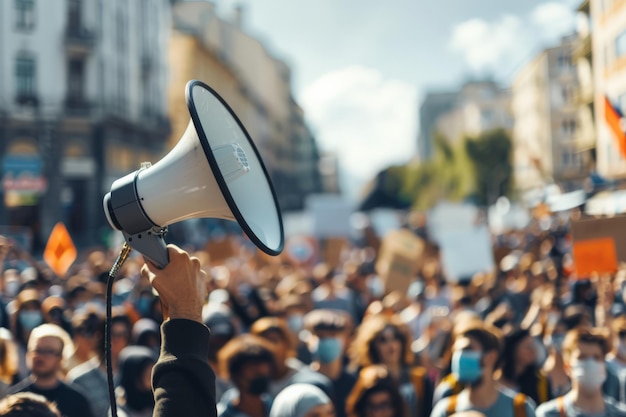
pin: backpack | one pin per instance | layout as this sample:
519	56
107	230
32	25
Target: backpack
519	405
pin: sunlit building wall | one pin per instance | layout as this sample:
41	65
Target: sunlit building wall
257	85
545	113
608	23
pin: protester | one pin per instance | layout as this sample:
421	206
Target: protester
134	393
477	350
375	394
48	348
219	319
584	351
302	400
328	340
26	317
386	341
27	404
249	362
554	366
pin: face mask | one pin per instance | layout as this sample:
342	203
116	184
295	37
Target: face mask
143	306
30	319
295	322
328	350
589	373
376	286
466	366
259	385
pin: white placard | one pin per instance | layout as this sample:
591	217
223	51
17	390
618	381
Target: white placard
466	252
330	215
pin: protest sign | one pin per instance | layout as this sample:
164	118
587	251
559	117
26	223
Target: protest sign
330	215
595	256
598	230
60	252
399	259
466	252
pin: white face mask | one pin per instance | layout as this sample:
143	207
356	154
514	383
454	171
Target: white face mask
589	373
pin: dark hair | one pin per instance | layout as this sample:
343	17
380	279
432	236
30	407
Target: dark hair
27	404
512	339
242	351
489	338
373	379
327	320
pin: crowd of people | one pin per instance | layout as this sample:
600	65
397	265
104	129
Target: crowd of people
318	339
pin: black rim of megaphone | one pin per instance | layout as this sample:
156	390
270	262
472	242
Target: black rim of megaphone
218	175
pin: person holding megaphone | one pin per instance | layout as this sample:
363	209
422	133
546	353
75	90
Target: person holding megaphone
182	380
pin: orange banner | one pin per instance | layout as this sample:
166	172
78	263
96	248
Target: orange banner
60	252
595	256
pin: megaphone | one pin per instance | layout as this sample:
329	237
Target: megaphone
214	171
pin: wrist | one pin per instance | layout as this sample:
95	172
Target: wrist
185	314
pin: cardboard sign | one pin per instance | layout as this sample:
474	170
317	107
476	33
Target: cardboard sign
221	249
595	256
466	252
599	228
333	250
60	252
400	259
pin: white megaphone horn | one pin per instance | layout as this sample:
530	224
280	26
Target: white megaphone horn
213	171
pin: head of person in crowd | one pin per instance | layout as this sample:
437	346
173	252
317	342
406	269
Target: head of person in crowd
135	370
88	326
329	332
53	310
519	355
294	308
375	394
27	316
219	319
8	357
302	400
475	353
11	283
249	363
382	340
120	334
144	303
577	315
276	332
77	291
49	349
146	333
584	352
27	404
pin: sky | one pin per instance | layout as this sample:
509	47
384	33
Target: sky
361	67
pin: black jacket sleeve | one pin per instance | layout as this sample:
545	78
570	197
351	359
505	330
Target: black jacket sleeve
182	380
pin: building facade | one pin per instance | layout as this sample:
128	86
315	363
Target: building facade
255	84
546	111
433	106
82	102
480	106
608	42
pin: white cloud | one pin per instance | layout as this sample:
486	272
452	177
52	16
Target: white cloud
369	121
501	45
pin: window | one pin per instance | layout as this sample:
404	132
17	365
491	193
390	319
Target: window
75	81
564	63
25	14
121	31
620	45
74	14
25	77
565	157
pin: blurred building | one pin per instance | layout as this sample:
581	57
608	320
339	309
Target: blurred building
545	113
434	105
480	106
255	84
82	102
585	136
608	43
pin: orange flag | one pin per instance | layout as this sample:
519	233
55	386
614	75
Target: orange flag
60	252
613	118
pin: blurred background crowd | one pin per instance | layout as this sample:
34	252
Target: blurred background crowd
284	325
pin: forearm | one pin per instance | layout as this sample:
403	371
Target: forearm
183	381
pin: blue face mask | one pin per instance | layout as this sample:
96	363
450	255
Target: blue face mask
557	342
295	323
466	366
30	319
328	350
144	305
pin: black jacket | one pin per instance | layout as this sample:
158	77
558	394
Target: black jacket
182	380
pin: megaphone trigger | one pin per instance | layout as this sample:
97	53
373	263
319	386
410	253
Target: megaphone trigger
151	244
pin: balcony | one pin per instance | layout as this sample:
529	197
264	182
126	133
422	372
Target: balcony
583	48
78	41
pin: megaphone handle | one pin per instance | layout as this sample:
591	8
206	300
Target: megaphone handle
151	245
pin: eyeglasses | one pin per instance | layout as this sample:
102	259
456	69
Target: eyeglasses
46	352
